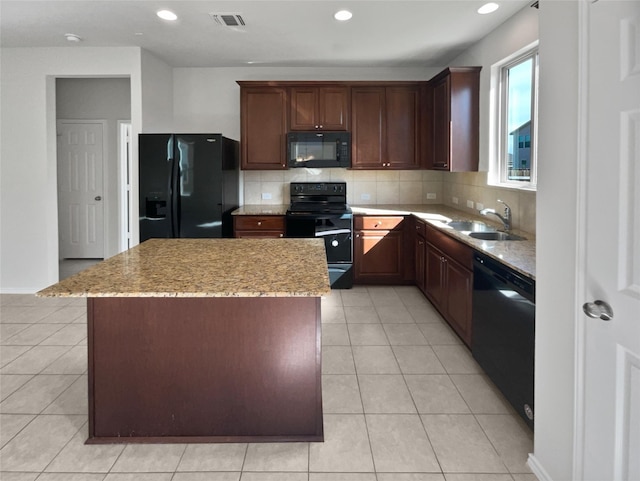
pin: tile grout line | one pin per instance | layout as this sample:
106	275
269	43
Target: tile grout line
424	428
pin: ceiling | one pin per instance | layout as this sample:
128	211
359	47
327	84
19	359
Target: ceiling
282	33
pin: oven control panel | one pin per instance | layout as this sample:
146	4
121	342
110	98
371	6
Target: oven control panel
319	188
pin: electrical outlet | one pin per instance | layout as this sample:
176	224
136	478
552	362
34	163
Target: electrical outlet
454	200
365	196
266	196
470	204
479	206
431	195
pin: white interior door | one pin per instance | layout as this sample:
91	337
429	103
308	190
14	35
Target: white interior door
611	382
80	190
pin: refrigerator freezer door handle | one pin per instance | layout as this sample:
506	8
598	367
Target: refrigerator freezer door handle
175	198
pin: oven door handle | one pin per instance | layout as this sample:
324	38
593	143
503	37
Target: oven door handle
333	232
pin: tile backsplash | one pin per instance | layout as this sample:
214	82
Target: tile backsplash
400	187
363	186
472	187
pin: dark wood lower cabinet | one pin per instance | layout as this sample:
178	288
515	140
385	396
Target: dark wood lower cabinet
259	226
378	256
449	283
420	251
459	297
435	282
383	250
217	369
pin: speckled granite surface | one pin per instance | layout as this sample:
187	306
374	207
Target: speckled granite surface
519	255
205	268
256	209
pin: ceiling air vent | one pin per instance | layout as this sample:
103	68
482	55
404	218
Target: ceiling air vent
228	19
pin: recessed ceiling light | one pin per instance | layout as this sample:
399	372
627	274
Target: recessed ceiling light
488	8
72	37
343	15
167	15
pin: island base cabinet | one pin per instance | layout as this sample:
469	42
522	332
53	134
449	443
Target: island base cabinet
216	369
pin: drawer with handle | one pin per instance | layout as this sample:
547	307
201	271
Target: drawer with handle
266	222
368	222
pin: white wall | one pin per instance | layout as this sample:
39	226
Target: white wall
208	99
157	94
557	242
28	187
100	99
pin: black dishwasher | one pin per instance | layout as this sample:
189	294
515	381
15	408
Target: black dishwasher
504	330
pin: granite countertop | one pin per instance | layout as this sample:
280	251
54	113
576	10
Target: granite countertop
257	209
205	268
519	255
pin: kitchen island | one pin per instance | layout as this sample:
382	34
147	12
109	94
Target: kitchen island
205	340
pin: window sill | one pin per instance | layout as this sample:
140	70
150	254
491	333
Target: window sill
514	187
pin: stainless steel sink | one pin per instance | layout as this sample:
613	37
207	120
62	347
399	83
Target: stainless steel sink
501	236
470	226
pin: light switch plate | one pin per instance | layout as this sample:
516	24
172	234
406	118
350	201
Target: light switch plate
431	195
365	196
470	204
266	196
479	206
454	200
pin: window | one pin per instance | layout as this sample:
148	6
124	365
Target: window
514	120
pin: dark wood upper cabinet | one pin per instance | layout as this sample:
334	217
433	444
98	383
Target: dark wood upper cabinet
393	125
319	108
368	127
385	126
263	119
403	127
455	120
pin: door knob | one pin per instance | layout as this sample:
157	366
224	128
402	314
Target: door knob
98	197
598	309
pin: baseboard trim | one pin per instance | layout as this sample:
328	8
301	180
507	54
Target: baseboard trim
538	469
19	290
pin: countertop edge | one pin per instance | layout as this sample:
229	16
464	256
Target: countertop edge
90	295
437	214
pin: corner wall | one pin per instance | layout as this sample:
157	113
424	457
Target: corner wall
28	185
557	241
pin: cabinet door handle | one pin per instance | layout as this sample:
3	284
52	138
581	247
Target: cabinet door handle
259	222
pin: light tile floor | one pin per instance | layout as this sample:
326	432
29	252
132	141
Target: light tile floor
403	401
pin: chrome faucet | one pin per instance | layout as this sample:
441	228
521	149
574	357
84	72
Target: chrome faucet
506	219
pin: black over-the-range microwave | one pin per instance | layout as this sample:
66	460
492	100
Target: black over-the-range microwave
318	149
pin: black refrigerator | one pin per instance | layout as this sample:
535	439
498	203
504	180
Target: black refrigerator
188	185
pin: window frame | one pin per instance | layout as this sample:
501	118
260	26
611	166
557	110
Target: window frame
499	135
